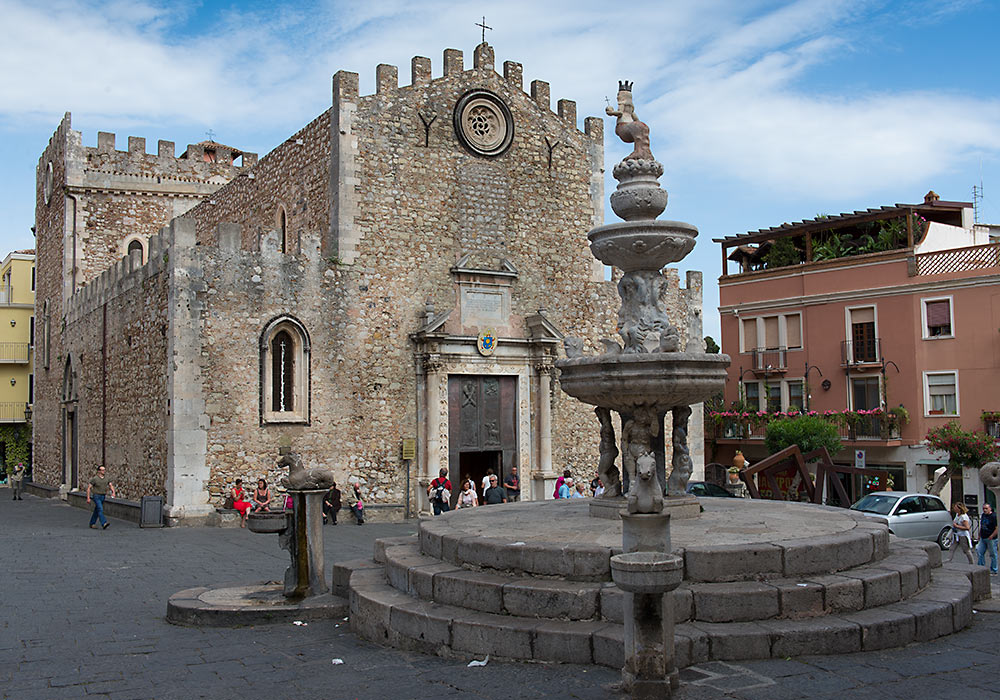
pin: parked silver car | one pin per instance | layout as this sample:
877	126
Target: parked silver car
918	516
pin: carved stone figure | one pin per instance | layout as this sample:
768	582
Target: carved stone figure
573	346
642	322
611	347
301	479
628	127
638	431
645	496
606	468
682	466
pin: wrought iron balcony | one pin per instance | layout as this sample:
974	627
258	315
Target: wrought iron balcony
866	352
769	360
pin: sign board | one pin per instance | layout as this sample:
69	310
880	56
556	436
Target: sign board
409	448
859	459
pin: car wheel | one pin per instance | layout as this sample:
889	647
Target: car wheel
944	539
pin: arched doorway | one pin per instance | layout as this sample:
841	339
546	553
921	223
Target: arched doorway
70	429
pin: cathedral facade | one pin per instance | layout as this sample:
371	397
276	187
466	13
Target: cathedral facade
386	291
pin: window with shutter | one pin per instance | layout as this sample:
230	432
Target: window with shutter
938	315
941	392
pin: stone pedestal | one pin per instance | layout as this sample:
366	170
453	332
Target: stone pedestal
679	508
304	541
647	572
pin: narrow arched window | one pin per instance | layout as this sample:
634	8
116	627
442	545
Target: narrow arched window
284	372
135	245
284	232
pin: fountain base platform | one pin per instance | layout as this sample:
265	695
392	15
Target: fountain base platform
244	605
761	579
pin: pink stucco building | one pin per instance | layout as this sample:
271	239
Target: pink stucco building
879	309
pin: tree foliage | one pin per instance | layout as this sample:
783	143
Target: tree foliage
711	346
808	432
966	448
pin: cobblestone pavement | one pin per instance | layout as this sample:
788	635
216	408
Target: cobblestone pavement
84	617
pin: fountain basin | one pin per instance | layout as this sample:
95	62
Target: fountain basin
623	382
642	245
647	572
267	523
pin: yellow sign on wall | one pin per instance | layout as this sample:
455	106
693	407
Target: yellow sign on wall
409	448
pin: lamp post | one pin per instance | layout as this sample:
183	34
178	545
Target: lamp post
809	368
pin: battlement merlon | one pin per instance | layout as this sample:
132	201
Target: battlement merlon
346	83
206	151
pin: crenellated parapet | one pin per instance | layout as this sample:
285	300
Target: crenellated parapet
131	272
194	172
345	83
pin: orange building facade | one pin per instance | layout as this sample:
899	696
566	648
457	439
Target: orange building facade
886	320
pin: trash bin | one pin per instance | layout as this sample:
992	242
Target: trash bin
151	511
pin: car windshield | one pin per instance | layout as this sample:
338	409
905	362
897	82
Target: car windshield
877	503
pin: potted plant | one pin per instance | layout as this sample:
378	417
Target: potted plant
734	475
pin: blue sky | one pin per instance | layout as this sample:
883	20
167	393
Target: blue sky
762	111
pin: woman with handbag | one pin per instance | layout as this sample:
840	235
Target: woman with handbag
357	506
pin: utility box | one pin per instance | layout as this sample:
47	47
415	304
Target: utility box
151	511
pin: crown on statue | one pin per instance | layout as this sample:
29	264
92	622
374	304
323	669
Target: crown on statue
625	85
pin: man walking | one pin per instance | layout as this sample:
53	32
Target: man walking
16	480
513	486
988	538
495	494
97	489
439	492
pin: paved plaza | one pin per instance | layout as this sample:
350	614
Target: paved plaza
84	617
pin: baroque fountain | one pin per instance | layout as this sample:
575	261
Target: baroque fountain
643	379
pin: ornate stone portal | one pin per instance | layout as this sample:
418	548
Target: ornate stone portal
643	379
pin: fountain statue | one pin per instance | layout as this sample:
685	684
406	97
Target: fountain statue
642	379
301	530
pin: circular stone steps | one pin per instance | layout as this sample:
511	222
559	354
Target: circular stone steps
487	582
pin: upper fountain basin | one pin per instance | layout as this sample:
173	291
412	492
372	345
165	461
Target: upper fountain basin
642	245
662	379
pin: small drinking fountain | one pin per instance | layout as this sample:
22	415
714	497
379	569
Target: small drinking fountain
299	530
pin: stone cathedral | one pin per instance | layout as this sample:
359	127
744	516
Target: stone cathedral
385	291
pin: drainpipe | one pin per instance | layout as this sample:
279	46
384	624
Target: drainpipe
73	197
104	381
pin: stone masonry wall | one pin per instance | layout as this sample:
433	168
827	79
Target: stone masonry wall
50	218
101	198
116	335
418	209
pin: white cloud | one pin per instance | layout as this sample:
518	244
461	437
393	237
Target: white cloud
720	81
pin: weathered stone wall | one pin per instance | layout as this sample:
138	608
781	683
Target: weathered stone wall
50	220
381	201
116	335
294	176
419	202
100	199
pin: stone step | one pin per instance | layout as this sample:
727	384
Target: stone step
383	614
865	541
893	578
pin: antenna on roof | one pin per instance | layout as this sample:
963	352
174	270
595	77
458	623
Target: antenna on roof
977	200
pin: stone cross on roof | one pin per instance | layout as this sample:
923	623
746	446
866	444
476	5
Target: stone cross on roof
483	25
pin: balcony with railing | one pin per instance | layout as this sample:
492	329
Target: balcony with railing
769	360
15	352
852	426
991	423
860	352
12	412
